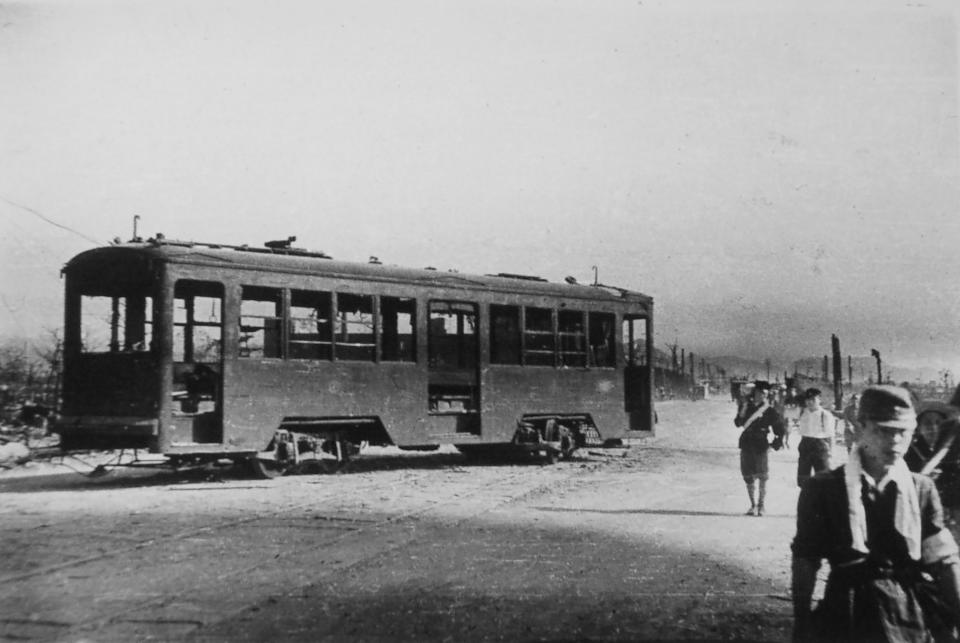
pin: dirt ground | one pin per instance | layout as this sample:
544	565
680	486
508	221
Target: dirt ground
649	543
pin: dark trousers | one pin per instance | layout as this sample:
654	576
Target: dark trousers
814	458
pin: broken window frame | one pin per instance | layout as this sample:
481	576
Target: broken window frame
197	331
461	318
398	329
261	311
505	336
602	340
539	336
310	310
116	323
572	338
353	313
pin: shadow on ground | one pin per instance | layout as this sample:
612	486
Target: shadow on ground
477	582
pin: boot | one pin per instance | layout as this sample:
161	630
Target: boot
752	511
763	495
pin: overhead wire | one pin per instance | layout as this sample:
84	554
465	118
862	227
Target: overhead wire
48	220
16	313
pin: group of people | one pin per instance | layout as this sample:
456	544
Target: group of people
760	420
886	520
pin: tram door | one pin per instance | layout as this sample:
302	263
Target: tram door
197	416
454	368
636	374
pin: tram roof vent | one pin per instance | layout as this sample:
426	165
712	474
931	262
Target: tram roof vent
510	275
281	244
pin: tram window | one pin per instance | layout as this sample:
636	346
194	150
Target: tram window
453	335
602	340
573	338
116	324
311	333
398	328
538	337
197	321
260	315
635	341
504	334
354	337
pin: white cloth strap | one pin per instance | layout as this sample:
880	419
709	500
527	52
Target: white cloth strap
906	519
756	416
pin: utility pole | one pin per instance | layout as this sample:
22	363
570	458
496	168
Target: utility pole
876	354
837	373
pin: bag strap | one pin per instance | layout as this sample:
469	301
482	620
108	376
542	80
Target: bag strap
756	416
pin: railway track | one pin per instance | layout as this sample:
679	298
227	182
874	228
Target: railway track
268	539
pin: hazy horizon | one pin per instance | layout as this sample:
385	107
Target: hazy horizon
771	173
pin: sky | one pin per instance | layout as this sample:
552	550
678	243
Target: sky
771	172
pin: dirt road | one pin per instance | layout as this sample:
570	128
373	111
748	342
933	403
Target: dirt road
650	545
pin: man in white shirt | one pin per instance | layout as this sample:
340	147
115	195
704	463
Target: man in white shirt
817	428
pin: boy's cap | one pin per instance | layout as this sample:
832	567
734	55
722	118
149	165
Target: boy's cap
811	393
887	406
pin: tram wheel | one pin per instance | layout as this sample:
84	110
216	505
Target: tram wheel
267	469
320	466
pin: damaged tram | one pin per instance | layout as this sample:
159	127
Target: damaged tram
278	357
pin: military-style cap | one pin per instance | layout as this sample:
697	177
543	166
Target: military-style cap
811	393
887	406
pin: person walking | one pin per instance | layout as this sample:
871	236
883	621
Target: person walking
758	419
792	405
850	421
935	451
817	427
894	566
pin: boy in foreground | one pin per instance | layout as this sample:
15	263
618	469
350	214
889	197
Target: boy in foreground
894	567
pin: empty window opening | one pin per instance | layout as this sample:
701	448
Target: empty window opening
635	341
111	324
398	329
572	333
261	311
197	322
453	335
602	339
504	334
539	337
354	338
197	349
311	327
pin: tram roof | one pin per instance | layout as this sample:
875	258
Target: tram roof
303	262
